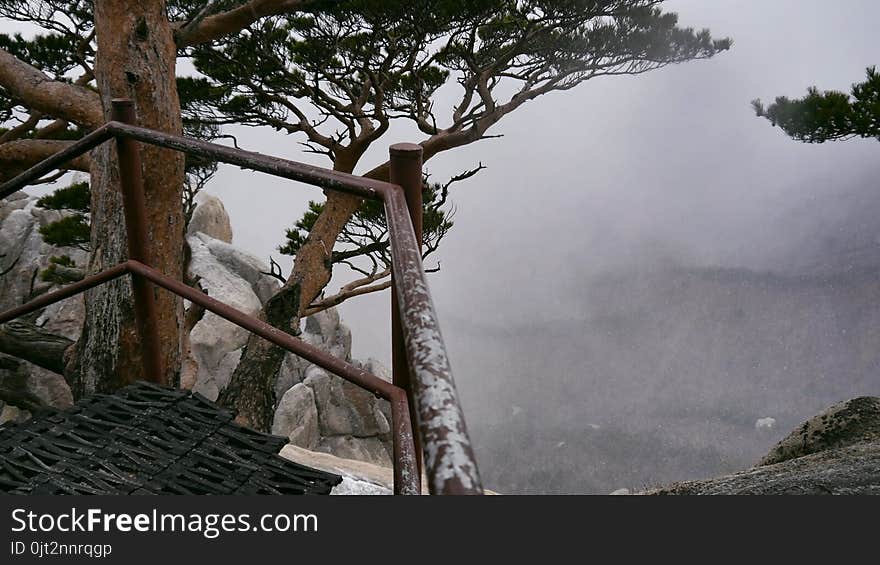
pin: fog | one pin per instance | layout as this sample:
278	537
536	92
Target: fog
645	268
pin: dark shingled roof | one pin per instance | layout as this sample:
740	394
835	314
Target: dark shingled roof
146	439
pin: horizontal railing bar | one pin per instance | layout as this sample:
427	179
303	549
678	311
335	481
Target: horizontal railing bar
52	162
276	166
280	338
65	292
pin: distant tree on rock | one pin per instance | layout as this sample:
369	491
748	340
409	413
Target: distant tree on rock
831	115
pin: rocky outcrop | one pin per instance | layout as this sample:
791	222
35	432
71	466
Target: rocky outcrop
836	452
844	424
23	255
210	218
297	417
358	478
323	412
215	343
847	470
315	410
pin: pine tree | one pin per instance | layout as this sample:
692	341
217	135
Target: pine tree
831	115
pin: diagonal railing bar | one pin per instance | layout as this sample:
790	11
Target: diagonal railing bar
449	460
360	377
66	291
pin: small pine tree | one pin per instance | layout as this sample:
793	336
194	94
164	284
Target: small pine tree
72	230
57	271
363	244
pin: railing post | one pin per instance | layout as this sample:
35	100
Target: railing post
135	210
406	171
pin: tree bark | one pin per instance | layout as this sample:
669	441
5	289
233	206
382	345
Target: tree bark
54	98
17	156
219	25
136	60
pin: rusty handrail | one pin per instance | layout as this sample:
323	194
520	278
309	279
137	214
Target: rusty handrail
275	166
450	464
406	475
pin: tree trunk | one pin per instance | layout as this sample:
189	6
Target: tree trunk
251	390
29	342
136	60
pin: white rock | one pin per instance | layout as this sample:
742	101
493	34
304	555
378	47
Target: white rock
353	487
210	383
210	217
297	417
18	240
17	226
344	409
358	477
367	449
214	340
13	414
64	318
323	323
43	216
15	201
292	371
50	387
245	265
765	423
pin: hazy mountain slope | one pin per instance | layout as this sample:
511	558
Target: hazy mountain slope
674	367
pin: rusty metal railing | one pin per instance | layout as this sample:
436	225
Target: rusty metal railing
424	402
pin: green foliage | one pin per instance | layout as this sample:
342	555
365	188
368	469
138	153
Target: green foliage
824	116
70	231
337	73
341	72
358	64
365	237
54	53
75	197
51	273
